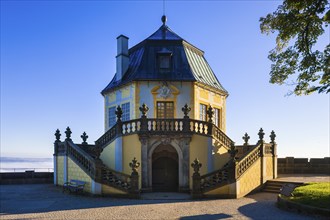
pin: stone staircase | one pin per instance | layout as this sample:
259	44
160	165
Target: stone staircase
273	186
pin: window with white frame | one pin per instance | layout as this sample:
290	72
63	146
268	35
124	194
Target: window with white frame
216	117
126	111
112	116
202	112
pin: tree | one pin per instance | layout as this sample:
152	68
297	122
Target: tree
299	24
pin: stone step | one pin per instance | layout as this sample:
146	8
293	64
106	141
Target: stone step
275	186
271	191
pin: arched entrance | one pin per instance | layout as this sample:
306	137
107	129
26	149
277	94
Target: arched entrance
165	172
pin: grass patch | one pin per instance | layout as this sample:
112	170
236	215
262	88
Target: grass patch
313	194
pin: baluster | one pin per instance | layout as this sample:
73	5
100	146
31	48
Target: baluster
126	128
134	127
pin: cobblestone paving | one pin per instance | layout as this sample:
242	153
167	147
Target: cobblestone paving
45	201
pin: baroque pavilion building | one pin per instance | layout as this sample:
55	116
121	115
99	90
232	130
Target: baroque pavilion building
165	129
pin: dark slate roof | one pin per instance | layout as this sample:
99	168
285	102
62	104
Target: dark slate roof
188	62
164	33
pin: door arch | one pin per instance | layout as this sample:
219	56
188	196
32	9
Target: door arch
165	169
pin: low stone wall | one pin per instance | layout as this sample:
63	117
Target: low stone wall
27	177
291	165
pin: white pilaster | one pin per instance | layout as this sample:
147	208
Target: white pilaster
96	188
209	155
65	169
55	169
119	154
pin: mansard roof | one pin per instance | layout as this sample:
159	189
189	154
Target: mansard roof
188	62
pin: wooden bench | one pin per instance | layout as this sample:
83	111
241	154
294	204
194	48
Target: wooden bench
76	186
287	189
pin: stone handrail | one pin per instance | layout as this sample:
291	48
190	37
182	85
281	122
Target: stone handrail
247	160
83	159
131	126
221	137
107	137
161	126
115	179
215	179
156	125
97	170
199	127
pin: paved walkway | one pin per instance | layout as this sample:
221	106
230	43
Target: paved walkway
303	178
45	201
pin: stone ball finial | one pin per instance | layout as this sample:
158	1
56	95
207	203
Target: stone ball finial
164	19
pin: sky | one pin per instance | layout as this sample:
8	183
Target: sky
57	56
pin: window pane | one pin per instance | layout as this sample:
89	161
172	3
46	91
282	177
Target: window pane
112	116
202	112
216	117
164	62
126	111
165	110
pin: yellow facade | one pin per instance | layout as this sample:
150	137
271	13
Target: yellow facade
60	170
269	168
206	96
220	155
250	179
117	97
76	173
198	149
108	155
131	149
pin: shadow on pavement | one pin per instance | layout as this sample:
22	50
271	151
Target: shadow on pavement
38	198
206	217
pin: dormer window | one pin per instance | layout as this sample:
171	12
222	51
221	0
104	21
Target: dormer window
164	60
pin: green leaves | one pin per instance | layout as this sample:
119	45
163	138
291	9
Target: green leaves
298	25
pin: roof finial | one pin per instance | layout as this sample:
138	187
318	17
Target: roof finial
164	19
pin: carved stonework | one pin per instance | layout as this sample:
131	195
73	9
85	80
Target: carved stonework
165	140
68	134
246	138
164	91
144	109
119	113
57	136
272	136
186	109
261	134
196	165
84	137
210	114
134	165
233	151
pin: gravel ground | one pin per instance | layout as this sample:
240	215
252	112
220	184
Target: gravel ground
45	201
